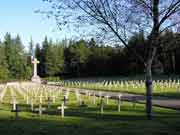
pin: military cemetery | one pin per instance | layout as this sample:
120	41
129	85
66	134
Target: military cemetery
90	67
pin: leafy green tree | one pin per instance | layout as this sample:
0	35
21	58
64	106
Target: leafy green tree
138	43
52	58
3	65
15	57
79	53
58	57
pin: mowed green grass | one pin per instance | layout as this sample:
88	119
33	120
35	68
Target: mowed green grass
87	121
102	84
168	92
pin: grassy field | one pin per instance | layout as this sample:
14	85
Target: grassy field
162	85
169	92
87	121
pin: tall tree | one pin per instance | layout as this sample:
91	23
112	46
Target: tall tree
18	61
119	20
59	63
31	47
80	54
45	61
4	72
52	59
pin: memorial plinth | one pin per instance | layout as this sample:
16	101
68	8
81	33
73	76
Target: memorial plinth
36	79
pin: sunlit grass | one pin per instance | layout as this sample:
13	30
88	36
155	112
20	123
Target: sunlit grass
86	121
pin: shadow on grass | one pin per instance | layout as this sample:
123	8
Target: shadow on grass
110	111
91	122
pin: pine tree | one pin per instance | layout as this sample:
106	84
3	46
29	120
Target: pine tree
3	65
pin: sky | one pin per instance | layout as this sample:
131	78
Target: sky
18	17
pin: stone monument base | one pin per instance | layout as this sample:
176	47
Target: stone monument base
36	79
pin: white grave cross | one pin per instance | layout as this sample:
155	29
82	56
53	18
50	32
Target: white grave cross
41	99
62	107
14	103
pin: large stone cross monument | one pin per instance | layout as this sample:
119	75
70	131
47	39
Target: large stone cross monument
35	77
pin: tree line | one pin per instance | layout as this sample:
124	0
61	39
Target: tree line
82	58
14	63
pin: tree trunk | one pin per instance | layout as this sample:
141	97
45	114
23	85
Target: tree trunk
173	62
149	90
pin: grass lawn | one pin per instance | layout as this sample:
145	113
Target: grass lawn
130	84
87	121
172	93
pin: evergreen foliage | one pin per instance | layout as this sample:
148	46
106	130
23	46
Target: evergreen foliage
84	57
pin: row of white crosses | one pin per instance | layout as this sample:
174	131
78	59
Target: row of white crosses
12	96
2	92
30	94
27	93
39	94
163	85
101	97
43	93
